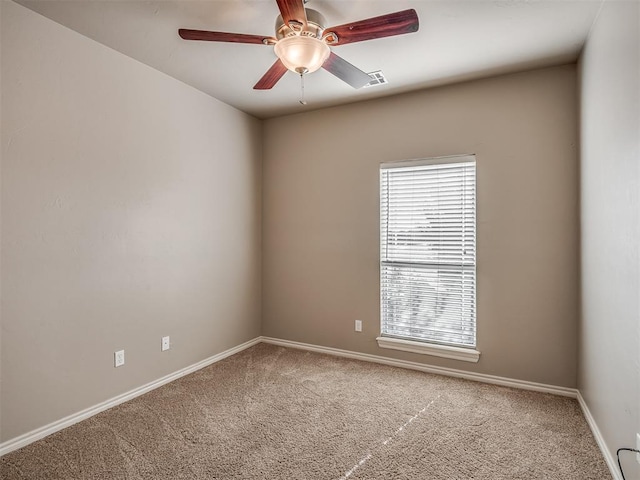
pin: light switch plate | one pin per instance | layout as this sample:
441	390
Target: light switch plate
166	343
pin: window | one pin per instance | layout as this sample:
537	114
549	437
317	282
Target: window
428	256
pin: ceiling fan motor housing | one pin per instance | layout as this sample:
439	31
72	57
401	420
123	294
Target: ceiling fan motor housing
315	26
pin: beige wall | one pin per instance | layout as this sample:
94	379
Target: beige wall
130	210
609	372
321	218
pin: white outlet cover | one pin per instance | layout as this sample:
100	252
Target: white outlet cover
358	325
166	343
118	358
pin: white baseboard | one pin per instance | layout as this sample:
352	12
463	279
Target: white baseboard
608	457
37	434
449	372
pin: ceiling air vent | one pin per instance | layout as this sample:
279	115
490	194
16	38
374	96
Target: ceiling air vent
377	78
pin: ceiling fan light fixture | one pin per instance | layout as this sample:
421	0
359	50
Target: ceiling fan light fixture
302	54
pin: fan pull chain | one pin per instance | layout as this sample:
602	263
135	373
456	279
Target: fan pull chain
302	100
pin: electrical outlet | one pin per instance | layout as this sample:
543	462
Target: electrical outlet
118	358
358	325
638	447
166	344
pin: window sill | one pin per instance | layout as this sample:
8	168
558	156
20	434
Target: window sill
456	353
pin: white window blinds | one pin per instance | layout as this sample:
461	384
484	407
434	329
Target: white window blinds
428	250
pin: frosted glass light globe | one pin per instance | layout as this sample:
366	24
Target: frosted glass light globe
302	54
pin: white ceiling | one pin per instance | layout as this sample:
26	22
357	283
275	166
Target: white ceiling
457	40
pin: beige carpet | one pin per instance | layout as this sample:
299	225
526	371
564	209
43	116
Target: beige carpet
275	413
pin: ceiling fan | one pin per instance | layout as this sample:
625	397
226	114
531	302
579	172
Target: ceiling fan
302	42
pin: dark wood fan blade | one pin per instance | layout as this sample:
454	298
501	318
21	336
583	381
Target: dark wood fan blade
292	11
224	37
272	76
397	23
345	71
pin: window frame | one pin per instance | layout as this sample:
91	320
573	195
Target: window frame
425	346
